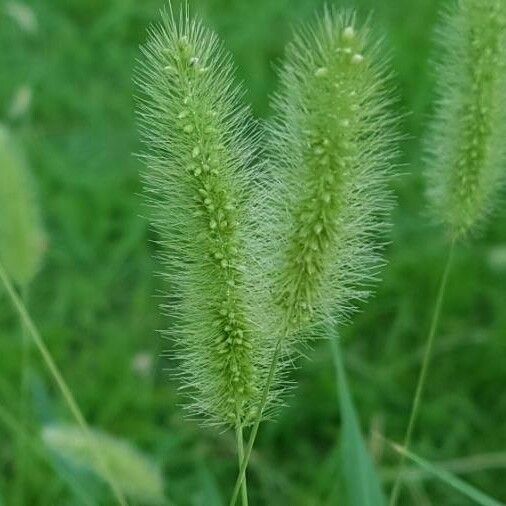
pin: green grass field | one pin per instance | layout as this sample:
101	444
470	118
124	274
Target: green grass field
67	96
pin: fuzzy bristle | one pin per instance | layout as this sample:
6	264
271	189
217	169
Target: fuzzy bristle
466	148
201	149
331	149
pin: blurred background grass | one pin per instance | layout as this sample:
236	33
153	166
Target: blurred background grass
66	94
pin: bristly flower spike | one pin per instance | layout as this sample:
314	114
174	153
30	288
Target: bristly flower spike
466	147
332	148
326	199
22	236
201	152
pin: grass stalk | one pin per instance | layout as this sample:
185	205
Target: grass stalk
265	394
240	456
338	364
423	374
24	402
58	378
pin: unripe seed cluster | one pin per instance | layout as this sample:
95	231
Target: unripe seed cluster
327	120
199	168
466	148
256	256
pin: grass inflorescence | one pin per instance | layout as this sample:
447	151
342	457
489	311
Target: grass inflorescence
201	152
22	236
467	153
331	149
325	200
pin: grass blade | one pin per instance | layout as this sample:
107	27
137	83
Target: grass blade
450	479
361	480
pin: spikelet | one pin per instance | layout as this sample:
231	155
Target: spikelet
466	147
331	151
22	238
201	146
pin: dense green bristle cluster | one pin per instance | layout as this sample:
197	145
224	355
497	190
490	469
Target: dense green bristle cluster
466	147
22	237
331	149
201	147
247	264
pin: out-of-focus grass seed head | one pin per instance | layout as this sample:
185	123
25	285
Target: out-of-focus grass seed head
331	149
22	237
466	146
140	479
201	150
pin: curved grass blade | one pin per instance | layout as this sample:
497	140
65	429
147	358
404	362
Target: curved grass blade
450	479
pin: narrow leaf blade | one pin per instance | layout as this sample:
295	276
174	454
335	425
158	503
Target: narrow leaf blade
449	478
361	480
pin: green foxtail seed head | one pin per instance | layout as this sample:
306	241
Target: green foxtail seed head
22	238
201	147
138	477
331	149
466	146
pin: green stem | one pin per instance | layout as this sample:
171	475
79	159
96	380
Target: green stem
341	381
24	403
423	374
240	456
254	430
57	376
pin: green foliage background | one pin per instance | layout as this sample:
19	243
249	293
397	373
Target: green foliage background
97	294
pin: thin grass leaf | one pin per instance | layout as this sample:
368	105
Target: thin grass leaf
58	378
138	477
450	479
361	480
